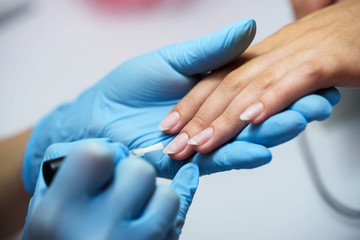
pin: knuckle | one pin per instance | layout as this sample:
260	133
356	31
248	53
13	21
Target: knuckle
264	82
198	122
312	71
227	118
233	82
288	26
189	100
140	168
285	29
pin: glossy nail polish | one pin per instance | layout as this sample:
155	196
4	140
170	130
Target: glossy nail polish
252	112
201	137
177	144
169	121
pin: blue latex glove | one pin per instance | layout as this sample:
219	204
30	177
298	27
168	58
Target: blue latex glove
82	204
128	104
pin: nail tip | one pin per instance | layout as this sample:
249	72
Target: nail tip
161	128
244	117
192	142
168	151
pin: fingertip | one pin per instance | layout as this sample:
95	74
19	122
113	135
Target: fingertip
331	94
173	130
164	197
202	148
187	175
245	30
183	155
239	36
259	120
276	130
262	155
177	144
159	214
241	155
169	195
137	166
169	121
202	137
313	107
254	114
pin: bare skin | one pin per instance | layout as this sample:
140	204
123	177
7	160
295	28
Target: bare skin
318	51
305	7
14	199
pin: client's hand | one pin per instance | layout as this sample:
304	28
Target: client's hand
93	197
319	51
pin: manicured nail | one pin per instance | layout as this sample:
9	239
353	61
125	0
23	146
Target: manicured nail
201	137
177	144
252	112
169	121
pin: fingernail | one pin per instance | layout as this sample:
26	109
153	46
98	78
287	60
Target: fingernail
201	137
169	121
252	112
177	144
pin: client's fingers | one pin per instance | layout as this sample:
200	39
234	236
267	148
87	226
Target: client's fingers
288	124
228	123
304	79
187	107
217	119
205	54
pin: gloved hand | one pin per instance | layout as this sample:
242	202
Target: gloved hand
91	198
128	104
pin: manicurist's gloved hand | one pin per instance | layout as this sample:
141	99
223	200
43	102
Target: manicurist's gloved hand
128	105
98	193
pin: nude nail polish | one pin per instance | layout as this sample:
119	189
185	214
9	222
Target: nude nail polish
169	121
177	144
201	137
252	112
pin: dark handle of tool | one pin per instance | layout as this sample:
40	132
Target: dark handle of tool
50	168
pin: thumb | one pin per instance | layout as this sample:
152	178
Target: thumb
55	153
59	150
212	51
185	184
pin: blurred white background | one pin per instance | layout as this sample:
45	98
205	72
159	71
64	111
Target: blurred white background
50	51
